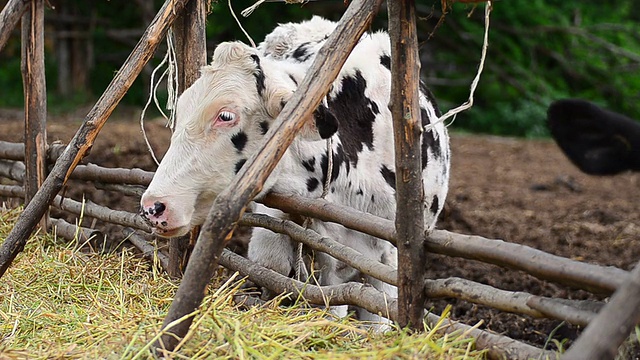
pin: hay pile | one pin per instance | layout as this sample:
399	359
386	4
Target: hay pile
59	300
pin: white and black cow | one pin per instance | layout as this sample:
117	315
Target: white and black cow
598	141
224	116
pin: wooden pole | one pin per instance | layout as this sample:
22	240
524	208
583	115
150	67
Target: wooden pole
35	101
407	126
613	324
84	137
9	17
191	54
231	203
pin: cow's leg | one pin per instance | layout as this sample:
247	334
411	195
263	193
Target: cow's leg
271	250
333	272
389	257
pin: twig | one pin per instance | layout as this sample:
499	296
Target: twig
85	136
231	203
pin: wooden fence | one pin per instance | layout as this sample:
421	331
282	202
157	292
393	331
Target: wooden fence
607	324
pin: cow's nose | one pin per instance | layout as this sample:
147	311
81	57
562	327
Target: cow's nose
158	208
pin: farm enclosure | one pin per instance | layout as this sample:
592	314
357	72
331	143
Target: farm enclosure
232	202
523	191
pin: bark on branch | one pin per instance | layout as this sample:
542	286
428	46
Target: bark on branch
9	18
84	137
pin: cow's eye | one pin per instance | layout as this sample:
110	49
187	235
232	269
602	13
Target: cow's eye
226	116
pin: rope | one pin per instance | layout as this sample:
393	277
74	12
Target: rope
474	84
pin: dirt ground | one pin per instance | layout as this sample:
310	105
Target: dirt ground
521	191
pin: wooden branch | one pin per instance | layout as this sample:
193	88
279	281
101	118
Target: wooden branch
191	55
84	137
557	309
612	325
35	97
72	232
498	346
127	190
149	251
231	203
103	213
13	170
35	101
594	278
327	245
92	172
15	151
14	191
518	302
9	18
407	130
323	210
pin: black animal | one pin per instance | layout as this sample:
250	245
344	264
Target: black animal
598	141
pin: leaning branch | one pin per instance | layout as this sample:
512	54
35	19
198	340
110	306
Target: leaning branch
85	136
9	18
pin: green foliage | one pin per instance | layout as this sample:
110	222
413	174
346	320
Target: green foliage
540	51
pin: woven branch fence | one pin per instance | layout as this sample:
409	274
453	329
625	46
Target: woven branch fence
39	185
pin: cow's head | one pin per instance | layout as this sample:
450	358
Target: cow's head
221	121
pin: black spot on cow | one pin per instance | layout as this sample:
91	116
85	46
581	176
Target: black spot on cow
385	60
435	204
293	79
389	176
373	198
302	54
239	165
374	107
355	116
312	184
326	122
164	223
239	140
429	95
359	192
310	164
428	140
264	127
338	160
259	75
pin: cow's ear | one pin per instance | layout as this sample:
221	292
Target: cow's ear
322	125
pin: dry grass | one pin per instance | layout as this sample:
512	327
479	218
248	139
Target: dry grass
57	301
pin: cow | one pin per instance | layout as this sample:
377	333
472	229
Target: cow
223	118
596	140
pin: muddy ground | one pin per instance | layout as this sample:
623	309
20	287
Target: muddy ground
522	191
